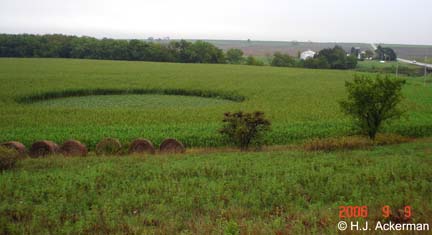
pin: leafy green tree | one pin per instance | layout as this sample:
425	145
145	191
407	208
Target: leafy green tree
372	102
205	52
234	56
351	62
282	60
250	60
337	58
385	53
316	63
244	129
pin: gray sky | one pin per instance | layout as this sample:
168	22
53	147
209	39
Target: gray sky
387	21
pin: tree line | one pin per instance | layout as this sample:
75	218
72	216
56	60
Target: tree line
63	46
329	58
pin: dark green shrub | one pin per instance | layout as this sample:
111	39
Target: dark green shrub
234	56
244	129
250	60
371	102
8	158
282	60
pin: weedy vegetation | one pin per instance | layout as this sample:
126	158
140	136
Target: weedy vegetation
289	192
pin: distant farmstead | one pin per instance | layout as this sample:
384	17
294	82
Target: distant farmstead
307	54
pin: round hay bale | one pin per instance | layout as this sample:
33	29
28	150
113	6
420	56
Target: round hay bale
141	146
108	146
43	148
73	148
172	146
19	147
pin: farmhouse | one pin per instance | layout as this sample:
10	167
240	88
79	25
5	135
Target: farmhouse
307	54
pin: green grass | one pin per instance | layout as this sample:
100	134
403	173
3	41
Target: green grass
301	103
389	67
423	60
256	193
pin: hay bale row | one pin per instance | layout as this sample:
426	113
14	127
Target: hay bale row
171	146
43	148
73	148
108	146
19	147
112	146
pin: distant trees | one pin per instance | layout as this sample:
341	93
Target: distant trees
331	58
234	56
373	101
63	46
351	62
385	53
369	54
337	58
282	60
316	63
250	60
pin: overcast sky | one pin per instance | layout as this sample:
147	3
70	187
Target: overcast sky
387	21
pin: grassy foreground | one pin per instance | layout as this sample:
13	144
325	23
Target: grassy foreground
233	193
301	103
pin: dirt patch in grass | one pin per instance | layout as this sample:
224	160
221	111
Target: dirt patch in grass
353	142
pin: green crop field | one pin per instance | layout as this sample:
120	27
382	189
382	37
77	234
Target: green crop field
281	190
301	103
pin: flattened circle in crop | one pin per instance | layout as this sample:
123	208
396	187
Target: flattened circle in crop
150	101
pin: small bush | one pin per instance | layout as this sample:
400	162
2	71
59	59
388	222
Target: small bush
244	129
8	158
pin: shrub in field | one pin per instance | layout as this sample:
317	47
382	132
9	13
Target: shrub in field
234	56
73	148
282	60
244	129
43	148
372	102
250	60
108	146
19	147
172	146
141	146
8	158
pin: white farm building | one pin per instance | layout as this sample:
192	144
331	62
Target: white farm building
307	54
